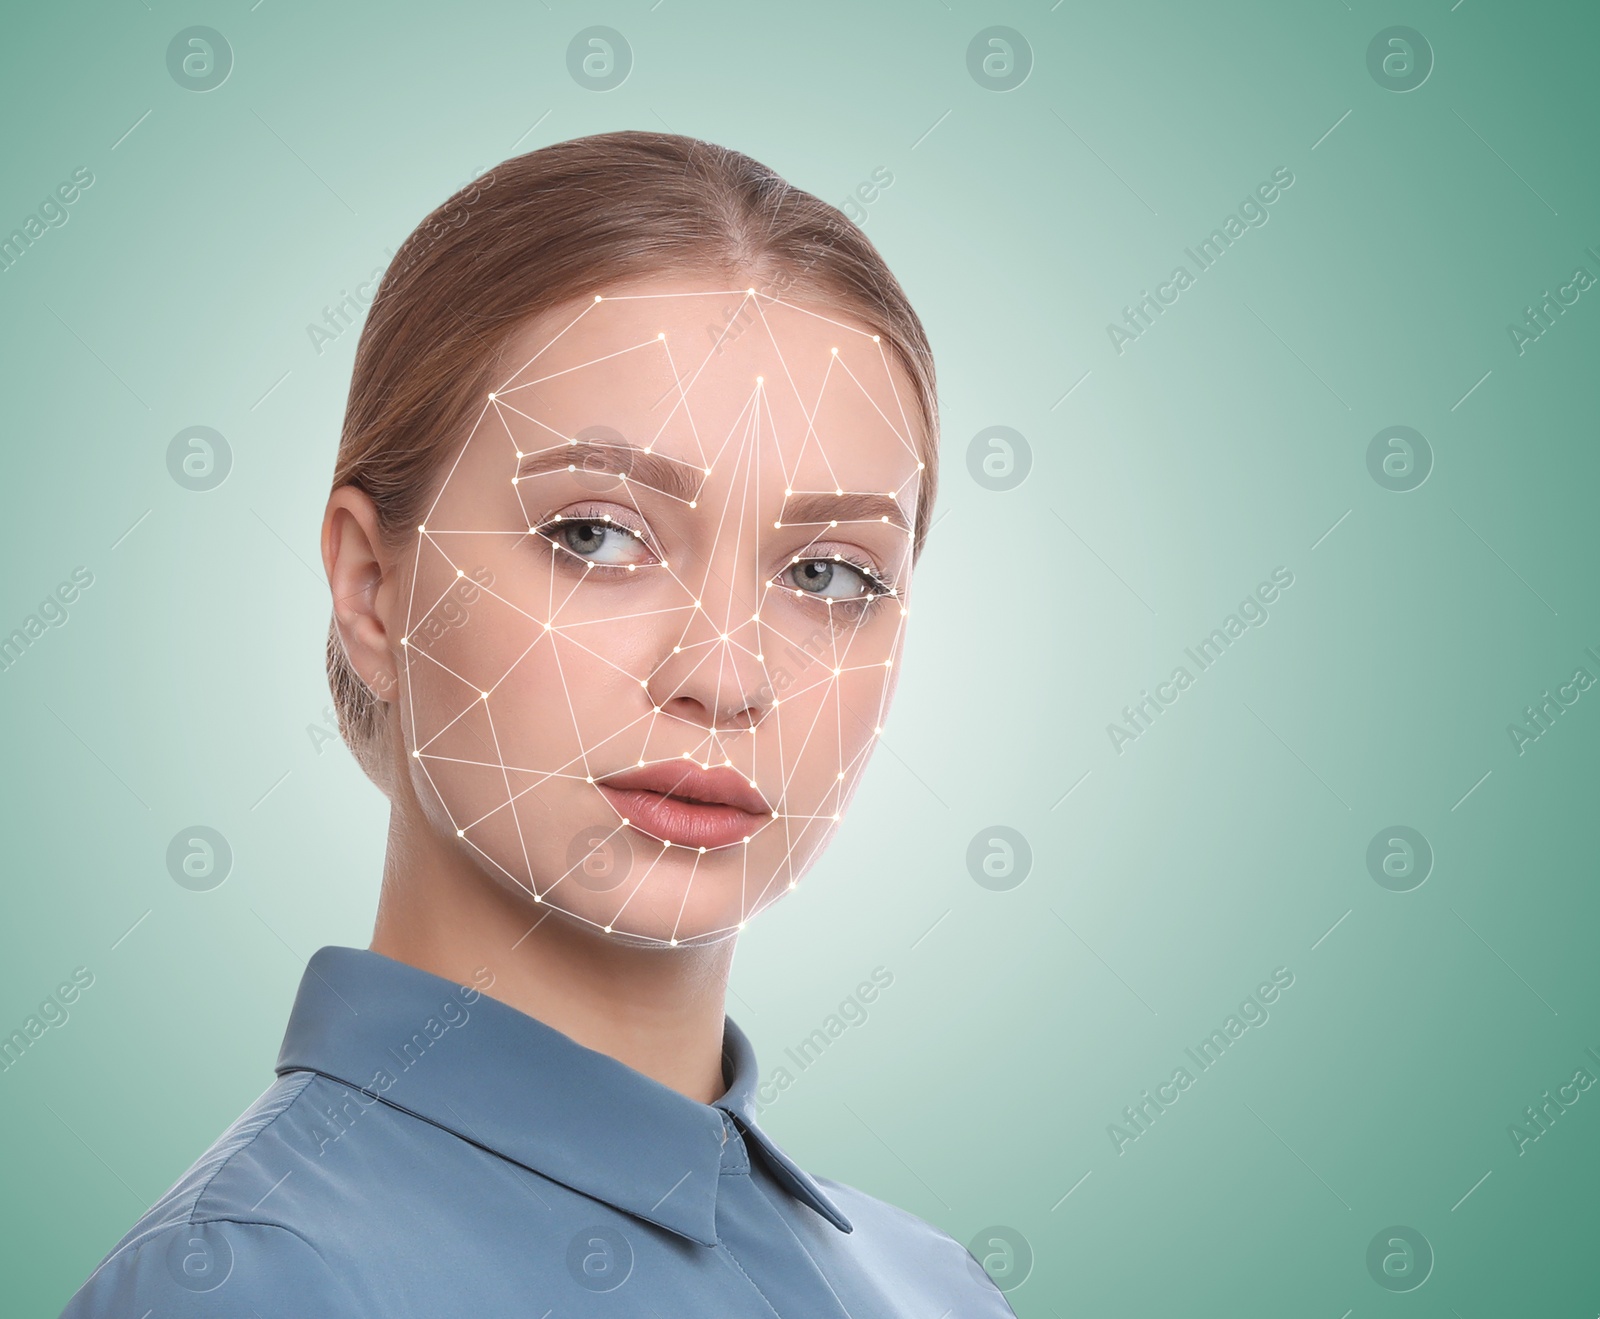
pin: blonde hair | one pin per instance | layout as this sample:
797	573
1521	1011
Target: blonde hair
543	228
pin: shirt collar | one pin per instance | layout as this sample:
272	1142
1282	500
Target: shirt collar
509	1083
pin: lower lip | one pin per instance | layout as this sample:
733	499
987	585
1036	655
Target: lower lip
682	823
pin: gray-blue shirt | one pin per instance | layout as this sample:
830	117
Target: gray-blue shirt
430	1151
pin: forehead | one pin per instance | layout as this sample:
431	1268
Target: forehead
718	376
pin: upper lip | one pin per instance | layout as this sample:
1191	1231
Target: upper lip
685	780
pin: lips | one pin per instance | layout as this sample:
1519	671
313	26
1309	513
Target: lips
681	803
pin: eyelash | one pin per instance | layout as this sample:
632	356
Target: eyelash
878	586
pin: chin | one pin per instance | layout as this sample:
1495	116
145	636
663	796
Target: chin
664	906
667	923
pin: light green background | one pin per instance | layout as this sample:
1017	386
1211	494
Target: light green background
1174	477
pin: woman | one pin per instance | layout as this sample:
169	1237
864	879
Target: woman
638	457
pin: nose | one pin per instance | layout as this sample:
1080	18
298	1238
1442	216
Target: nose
712	671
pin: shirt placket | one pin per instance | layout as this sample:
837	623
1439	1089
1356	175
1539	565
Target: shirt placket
759	1242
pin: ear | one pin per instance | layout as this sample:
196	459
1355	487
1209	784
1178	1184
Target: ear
365	586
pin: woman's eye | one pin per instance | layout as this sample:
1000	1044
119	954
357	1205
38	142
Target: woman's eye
598	540
833	579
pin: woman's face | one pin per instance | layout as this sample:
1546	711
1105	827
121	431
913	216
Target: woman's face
672	561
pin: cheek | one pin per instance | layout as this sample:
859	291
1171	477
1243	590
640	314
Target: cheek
824	722
553	692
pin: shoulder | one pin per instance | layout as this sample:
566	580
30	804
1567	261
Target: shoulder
899	1240
216	1236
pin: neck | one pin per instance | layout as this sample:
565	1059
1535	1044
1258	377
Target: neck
657	1010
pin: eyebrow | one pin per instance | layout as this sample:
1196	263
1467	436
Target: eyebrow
682	481
678	480
822	506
